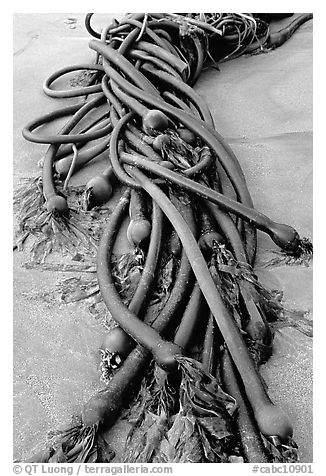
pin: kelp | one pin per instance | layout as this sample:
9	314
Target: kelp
281	452
185	417
164	283
150	416
110	362
178	152
75	233
126	271
296	320
302	256
78	444
77	288
231	273
78	267
83	78
145	443
240	288
203	430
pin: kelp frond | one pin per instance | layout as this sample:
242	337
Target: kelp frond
126	270
164	284
302	255
279	451
84	287
150	415
203	429
110	362
144	447
78	444
297	320
76	289
233	272
76	232
179	152
243	296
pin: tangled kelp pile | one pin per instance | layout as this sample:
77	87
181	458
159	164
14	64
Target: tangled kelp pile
209	329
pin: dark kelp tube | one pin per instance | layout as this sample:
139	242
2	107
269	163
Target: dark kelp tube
270	419
190	318
148	274
183	89
145	284
162	351
124	65
138	144
184	279
257	328
174	61
249	233
75	92
277	38
229	230
208	352
146	59
139	228
225	154
64	137
97	123
251	441
153	36
199	127
55	202
114	150
284	236
179	103
62	166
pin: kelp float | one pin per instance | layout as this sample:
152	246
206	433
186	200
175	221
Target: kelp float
193	321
